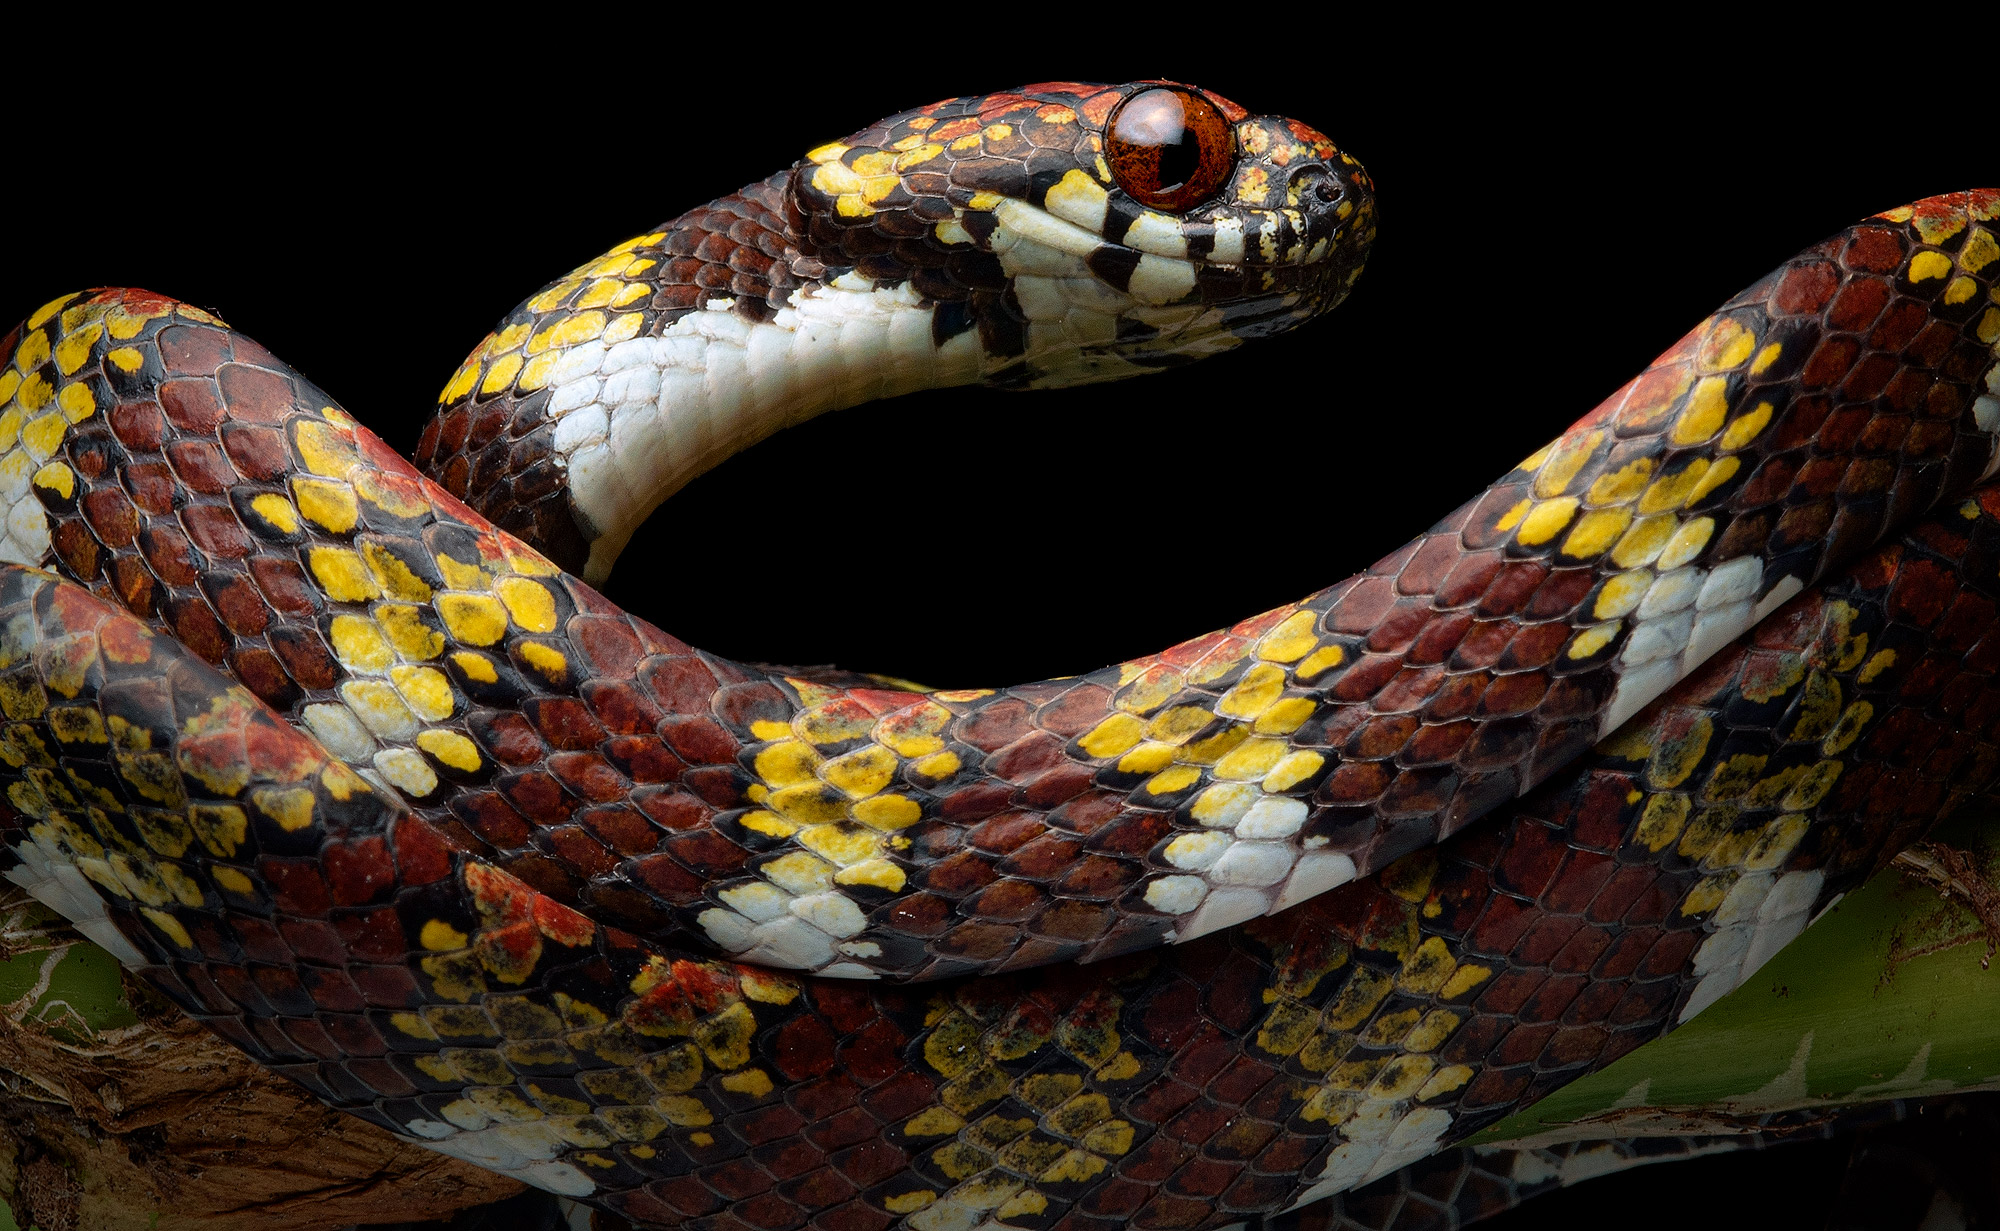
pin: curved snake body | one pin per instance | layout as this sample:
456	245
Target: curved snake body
361	944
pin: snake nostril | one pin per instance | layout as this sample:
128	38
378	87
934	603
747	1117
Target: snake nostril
1316	184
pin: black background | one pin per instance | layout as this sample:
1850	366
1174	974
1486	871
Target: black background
1557	206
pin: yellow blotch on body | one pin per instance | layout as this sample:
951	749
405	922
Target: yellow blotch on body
393	575
359	644
1644	541
1706	409
786	763
862	772
1114	735
477	667
475	619
451	749
1325	658
1727	345
426	691
462	382
1747	426
1179	778
1927	265
169	927
74	350
1546	520
77	402
876	873
1621	485
1671	491
1595	533
1565	458
570	331
441	937
229	880
1593	639
1292	770
1259	688
414	639
529	602
1687	543
324	450
329	505
58	478
278	511
1291	640
342	575
889	812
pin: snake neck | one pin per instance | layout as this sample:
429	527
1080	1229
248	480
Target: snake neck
634	421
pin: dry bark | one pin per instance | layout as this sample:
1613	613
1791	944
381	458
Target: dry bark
118	1113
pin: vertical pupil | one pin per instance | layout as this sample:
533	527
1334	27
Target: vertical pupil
1178	160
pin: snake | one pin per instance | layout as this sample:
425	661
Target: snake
333	752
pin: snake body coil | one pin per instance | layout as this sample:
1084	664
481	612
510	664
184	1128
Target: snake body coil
380	900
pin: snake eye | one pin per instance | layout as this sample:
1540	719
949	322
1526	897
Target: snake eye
1170	148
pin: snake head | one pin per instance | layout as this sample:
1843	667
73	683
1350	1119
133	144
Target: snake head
1086	233
1053	235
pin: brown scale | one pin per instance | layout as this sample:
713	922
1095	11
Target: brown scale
620	783
1216	1061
